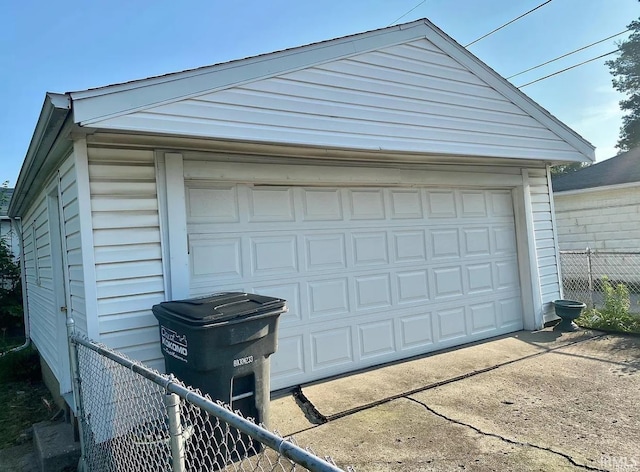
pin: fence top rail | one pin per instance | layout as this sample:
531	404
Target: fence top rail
606	253
286	448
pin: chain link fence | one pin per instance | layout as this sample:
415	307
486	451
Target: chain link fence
135	419
583	273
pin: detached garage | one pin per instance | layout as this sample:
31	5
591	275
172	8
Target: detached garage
389	185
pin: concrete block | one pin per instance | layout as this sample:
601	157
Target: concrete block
55	447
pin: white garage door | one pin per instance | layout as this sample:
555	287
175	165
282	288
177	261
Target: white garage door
371	275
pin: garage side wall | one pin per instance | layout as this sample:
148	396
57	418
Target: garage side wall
545	240
128	254
72	243
39	282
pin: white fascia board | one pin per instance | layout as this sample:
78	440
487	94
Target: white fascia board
55	109
93	106
509	91
604	188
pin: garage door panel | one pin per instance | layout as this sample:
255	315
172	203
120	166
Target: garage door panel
444	244
441	204
510	312
376	339
371	275
325	252
409	246
507	275
370	248
416	331
405	204
213	204
504	240
447	282
501	203
270	204
373	291
479	278
452	323
366	204
289	292
472	203
289	358
322	204
216	258
328	297
476	242
413	286
483	317
331	347
274	255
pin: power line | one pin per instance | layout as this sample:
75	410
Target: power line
402	16
507	24
567	54
568	68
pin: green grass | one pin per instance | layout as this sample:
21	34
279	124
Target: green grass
24	398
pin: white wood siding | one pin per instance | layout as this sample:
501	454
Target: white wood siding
408	97
128	256
545	240
599	219
40	284
72	243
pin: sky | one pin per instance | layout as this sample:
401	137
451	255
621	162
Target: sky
66	45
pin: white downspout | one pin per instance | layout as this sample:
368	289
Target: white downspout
16	223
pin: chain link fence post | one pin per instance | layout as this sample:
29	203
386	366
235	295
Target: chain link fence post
590	276
75	384
176	439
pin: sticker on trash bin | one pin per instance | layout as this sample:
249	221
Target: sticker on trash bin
242	361
174	344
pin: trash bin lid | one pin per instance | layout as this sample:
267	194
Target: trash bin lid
222	307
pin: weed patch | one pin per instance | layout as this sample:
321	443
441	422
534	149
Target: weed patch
614	315
24	398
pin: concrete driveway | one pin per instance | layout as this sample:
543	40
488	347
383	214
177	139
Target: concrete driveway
540	401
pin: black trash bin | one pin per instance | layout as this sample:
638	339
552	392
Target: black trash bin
221	345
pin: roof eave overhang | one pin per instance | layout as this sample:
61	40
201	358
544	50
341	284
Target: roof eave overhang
54	113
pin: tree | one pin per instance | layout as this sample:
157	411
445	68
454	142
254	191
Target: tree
10	287
626	72
566	168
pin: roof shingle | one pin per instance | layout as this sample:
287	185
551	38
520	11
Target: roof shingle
621	169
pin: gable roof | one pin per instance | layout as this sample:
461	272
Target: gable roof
116	107
96	106
621	169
